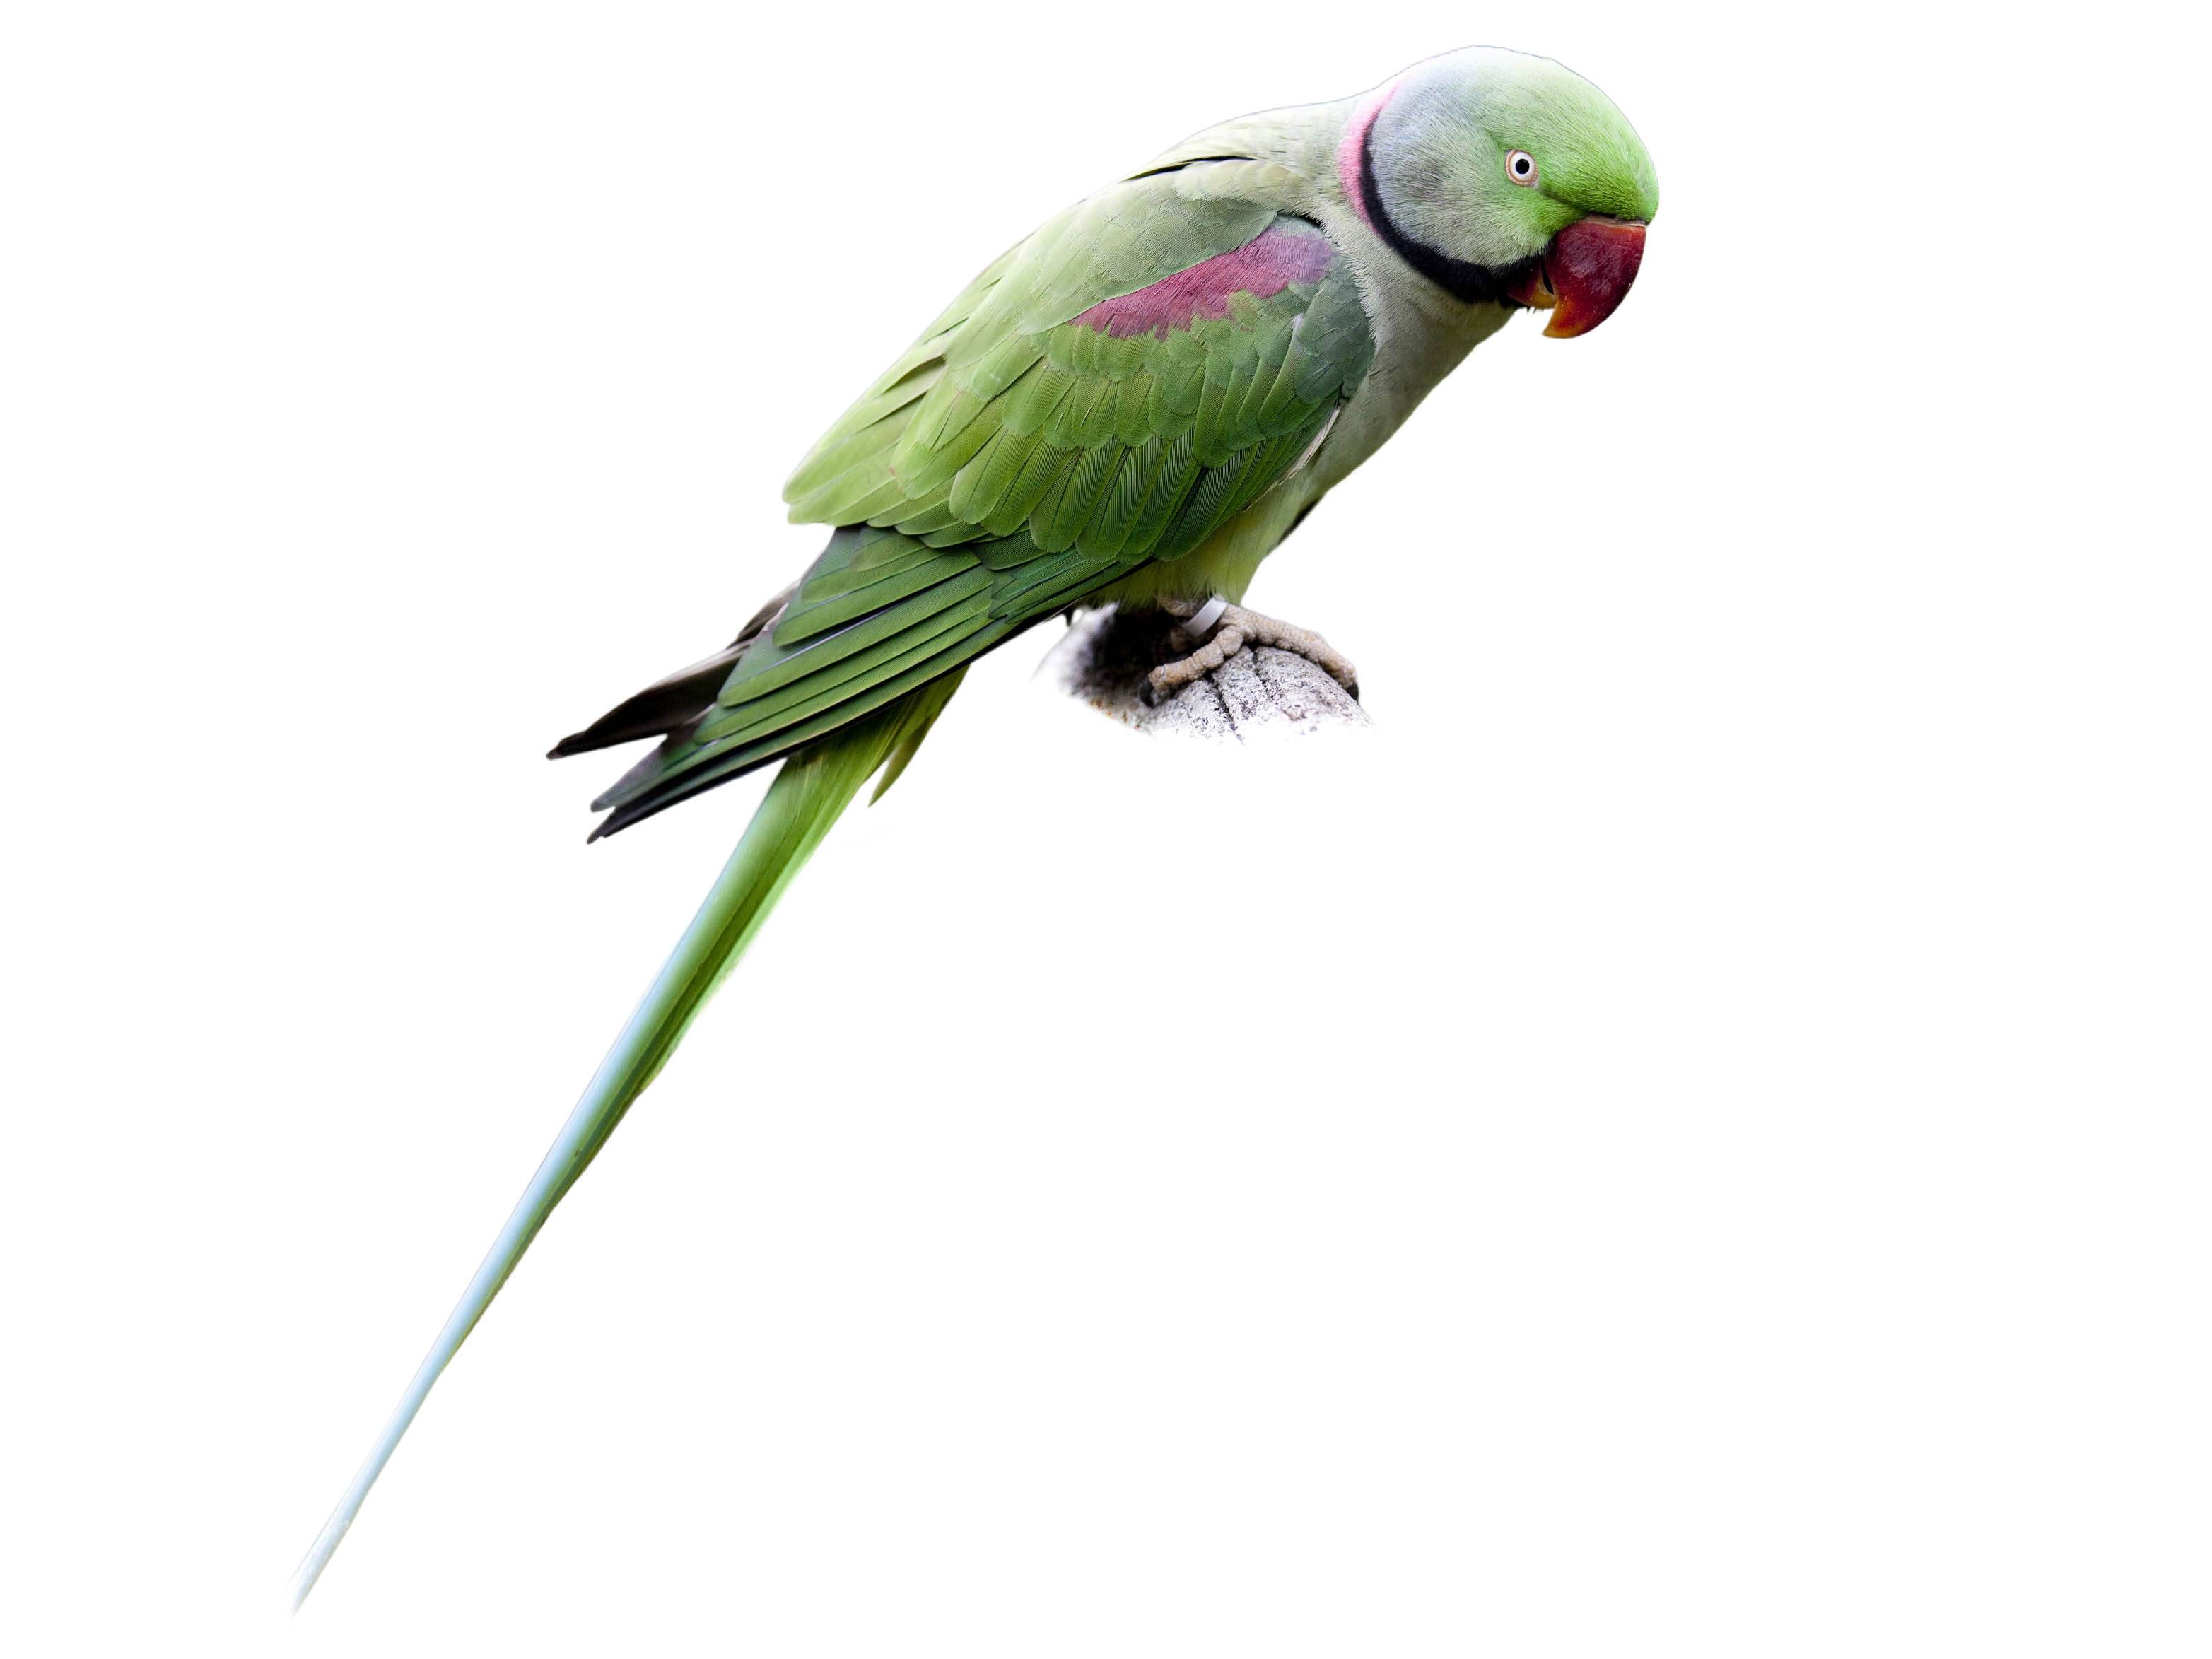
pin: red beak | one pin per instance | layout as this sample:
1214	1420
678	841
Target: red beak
1584	275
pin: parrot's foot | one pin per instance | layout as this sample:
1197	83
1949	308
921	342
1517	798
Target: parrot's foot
1220	630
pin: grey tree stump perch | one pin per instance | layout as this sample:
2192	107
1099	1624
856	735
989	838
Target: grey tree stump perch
1108	653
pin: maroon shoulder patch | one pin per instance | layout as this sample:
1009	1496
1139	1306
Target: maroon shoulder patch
1279	256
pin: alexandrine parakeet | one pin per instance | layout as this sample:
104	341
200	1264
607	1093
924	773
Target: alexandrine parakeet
1135	404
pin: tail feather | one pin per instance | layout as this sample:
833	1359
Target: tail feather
812	792
670	701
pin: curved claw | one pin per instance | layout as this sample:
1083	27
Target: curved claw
1234	629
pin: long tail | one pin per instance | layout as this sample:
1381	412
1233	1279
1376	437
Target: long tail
808	796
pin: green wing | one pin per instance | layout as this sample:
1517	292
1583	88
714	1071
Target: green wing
1108	393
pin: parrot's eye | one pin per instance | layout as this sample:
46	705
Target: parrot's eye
1521	166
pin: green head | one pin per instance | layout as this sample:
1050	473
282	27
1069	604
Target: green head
1505	177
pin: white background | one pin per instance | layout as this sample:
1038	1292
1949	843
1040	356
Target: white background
1690	1137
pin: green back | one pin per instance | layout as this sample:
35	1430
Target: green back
1110	392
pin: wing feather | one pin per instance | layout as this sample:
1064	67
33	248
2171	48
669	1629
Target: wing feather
1112	391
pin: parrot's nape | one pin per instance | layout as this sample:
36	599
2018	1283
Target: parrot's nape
1134	405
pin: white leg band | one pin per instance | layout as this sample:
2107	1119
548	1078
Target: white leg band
1209	614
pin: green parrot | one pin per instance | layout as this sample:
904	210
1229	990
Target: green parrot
1134	405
